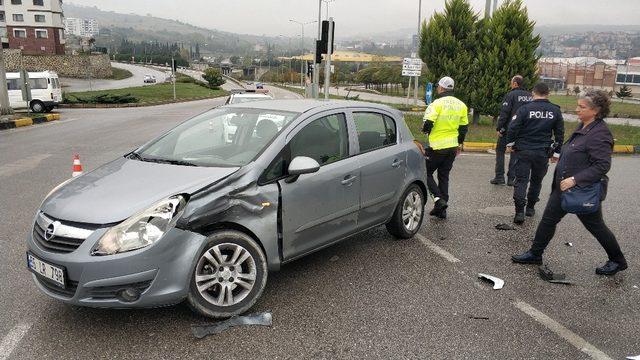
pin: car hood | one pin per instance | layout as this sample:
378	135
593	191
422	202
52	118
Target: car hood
123	187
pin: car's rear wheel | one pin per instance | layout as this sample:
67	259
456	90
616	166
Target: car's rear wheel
229	276
408	215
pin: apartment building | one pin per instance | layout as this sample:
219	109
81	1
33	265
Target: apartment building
34	26
81	27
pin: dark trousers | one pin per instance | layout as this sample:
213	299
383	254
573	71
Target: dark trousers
442	162
594	223
501	148
531	167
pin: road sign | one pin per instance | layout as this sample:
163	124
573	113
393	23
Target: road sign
411	72
429	94
411	67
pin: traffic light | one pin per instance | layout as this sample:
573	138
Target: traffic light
318	51
310	67
174	65
324	40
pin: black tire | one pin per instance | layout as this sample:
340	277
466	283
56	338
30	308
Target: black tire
220	239
396	225
37	106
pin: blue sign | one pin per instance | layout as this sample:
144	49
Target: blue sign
429	94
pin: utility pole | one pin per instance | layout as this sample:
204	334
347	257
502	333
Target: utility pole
417	82
5	106
327	70
302	49
316	67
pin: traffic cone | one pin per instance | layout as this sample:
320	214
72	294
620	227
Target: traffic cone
77	166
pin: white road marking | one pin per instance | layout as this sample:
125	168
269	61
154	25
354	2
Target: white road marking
437	249
22	165
12	339
571	337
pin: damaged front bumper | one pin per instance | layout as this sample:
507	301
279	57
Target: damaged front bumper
154	276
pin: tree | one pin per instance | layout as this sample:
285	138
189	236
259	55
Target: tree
624	92
507	47
214	78
448	46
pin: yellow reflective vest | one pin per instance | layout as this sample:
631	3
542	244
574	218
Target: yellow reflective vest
447	114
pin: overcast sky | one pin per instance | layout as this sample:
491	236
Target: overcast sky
354	17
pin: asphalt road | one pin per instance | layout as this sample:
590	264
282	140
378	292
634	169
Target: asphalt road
367	297
75	85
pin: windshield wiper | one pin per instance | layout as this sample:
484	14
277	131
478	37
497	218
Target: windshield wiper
135	155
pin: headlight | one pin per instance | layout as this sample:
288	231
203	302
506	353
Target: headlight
141	229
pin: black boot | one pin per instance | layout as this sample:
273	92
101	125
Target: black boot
439	206
530	211
610	268
497	181
511	182
519	218
527	258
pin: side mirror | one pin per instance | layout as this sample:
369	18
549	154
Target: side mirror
301	165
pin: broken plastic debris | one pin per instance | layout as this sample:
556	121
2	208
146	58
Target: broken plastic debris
568	244
497	283
200	331
505	227
334	258
478	317
548	275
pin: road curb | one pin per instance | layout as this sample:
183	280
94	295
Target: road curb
22	122
484	146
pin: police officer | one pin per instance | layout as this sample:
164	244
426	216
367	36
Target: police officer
529	136
446	124
512	102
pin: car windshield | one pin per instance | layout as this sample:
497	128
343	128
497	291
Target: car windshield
221	137
244	99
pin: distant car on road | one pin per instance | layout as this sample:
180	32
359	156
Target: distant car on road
259	86
189	216
149	79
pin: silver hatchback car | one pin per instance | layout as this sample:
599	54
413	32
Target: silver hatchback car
192	216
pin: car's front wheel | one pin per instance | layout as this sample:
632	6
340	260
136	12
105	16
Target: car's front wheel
229	276
409	213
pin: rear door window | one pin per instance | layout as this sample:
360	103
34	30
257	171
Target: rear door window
374	130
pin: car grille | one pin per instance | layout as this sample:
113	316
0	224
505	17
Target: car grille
111	292
76	234
69	291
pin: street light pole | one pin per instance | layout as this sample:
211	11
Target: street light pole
302	49
417	82
327	70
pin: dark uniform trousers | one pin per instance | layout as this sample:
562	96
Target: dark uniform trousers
594	223
501	148
442	162
531	167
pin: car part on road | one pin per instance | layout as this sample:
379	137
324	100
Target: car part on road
262	319
633	357
505	227
497	282
409	213
569	244
549	276
229	276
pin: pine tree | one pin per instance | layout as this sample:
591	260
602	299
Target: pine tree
507	48
448	46
624	92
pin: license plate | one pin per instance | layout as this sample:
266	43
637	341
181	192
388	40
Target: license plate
46	270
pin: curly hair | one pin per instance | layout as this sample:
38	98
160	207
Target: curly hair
598	99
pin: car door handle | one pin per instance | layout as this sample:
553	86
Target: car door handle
396	163
348	180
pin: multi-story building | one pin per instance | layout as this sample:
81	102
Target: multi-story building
34	26
81	27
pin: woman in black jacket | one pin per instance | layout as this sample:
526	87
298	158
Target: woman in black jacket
585	159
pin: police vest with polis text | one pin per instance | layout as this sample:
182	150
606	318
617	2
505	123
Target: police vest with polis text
536	123
447	114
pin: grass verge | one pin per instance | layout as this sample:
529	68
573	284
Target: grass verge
120	74
157	93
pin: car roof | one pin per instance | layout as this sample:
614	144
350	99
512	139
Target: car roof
252	95
305	105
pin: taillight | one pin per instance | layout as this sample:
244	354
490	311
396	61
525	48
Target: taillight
420	147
